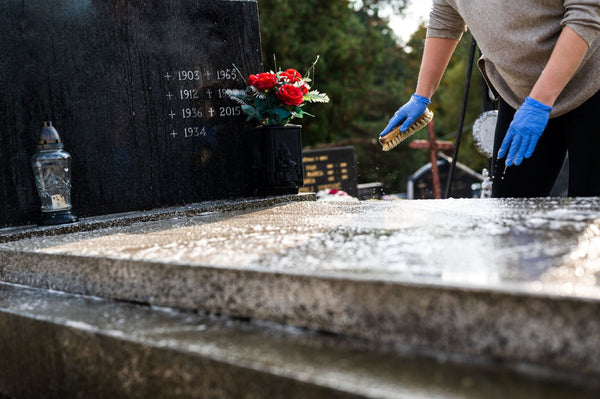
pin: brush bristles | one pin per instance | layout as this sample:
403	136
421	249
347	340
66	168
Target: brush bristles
395	137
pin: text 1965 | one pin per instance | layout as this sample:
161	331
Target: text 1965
226	74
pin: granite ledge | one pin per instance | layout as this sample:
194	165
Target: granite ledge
8	234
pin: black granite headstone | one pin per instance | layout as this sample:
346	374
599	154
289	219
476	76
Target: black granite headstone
135	89
333	168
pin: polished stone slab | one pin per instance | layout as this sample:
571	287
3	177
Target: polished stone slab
510	280
502	245
57	345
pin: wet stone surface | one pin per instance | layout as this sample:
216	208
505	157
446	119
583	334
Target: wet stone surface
8	234
549	245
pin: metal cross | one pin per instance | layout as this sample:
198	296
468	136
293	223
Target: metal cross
433	146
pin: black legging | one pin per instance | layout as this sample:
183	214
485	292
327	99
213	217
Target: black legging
577	131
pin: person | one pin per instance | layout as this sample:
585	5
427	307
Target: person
541	59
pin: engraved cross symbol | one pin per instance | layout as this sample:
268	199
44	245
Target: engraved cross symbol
169	96
173	133
168	76
172	114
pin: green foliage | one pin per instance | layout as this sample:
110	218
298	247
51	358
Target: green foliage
367	75
372	6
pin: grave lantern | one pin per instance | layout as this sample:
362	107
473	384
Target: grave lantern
52	171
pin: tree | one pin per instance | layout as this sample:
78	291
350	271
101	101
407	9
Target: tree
372	6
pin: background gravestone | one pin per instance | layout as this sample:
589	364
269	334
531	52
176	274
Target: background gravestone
135	88
420	184
333	168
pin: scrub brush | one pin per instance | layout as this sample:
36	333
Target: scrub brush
395	137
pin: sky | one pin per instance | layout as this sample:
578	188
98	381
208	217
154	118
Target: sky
415	14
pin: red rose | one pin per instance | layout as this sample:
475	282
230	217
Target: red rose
263	81
291	75
305	88
290	95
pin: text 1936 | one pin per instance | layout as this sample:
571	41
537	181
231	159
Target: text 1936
191	113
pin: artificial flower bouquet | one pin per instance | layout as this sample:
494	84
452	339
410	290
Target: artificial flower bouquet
275	98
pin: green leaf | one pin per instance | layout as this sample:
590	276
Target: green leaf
281	113
314	96
249	110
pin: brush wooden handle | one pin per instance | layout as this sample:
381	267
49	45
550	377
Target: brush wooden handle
395	137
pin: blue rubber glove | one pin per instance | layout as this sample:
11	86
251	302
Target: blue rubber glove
525	130
409	113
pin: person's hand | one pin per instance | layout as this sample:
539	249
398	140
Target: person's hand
525	130
407	114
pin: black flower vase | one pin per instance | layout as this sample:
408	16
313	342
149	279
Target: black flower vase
275	159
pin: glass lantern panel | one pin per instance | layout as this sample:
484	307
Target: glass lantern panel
52	171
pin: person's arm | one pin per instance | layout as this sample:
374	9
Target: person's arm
532	117
569	51
444	30
436	55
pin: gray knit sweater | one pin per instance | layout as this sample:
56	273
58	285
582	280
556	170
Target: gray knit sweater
516	38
